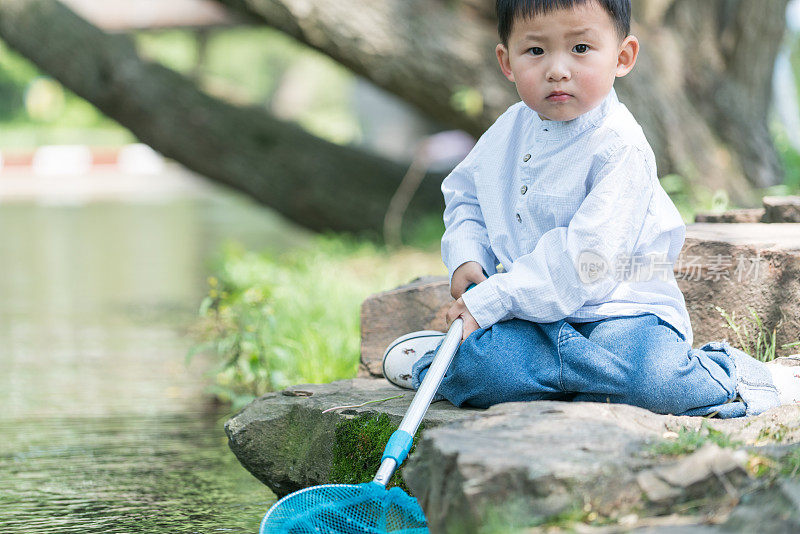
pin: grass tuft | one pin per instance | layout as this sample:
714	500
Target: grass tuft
753	337
689	440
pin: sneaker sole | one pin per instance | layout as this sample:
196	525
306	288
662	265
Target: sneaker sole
412	335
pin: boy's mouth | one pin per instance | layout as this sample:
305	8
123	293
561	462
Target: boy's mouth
559	96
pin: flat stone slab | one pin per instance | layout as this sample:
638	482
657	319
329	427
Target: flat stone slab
285	440
781	209
783	237
735	267
516	465
784	209
744	215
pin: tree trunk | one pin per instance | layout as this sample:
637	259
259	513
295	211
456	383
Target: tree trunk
704	86
314	183
701	88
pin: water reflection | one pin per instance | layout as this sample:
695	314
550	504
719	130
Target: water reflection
124	473
103	428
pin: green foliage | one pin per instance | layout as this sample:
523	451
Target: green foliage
791	165
37	110
276	320
358	449
241	65
774	434
515	517
753	337
21	82
787	465
15	73
693	199
689	440
256	66
467	100
176	49
426	233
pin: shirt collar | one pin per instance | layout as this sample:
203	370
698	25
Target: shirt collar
562	130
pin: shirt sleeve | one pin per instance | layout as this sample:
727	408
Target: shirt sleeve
465	237
560	274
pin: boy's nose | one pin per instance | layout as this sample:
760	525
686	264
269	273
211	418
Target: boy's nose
557	71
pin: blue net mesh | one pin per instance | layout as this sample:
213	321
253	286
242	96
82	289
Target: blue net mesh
346	509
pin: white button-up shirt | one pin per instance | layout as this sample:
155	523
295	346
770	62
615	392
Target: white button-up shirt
574	213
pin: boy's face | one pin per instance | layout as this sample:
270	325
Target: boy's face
547	54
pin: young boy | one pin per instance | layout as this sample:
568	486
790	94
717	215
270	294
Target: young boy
562	191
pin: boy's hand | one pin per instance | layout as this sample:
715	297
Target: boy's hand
466	274
459	309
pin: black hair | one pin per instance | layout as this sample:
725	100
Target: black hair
510	10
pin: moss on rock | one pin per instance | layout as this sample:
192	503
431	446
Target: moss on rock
358	448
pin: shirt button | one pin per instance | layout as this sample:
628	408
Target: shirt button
524	189
519	219
527	157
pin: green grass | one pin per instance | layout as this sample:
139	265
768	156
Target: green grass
773	434
689	440
276	320
787	465
753	337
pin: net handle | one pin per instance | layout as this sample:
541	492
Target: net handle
400	443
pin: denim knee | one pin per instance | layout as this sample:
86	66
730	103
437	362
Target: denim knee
673	383
512	360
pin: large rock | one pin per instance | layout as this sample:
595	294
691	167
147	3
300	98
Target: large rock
781	209
415	306
286	441
738	268
734	267
519	464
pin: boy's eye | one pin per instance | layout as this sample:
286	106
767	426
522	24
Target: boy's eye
581	48
536	51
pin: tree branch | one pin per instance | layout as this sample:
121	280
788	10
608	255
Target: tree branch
436	53
432	55
312	182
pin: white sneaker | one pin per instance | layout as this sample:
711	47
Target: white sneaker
786	377
404	352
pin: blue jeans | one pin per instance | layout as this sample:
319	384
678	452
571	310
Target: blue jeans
639	360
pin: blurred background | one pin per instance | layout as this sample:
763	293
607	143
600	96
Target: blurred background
197	195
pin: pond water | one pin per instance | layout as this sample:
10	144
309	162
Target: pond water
103	425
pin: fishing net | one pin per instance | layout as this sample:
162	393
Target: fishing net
366	508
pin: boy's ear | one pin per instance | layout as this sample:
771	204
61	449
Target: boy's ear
505	62
628	52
